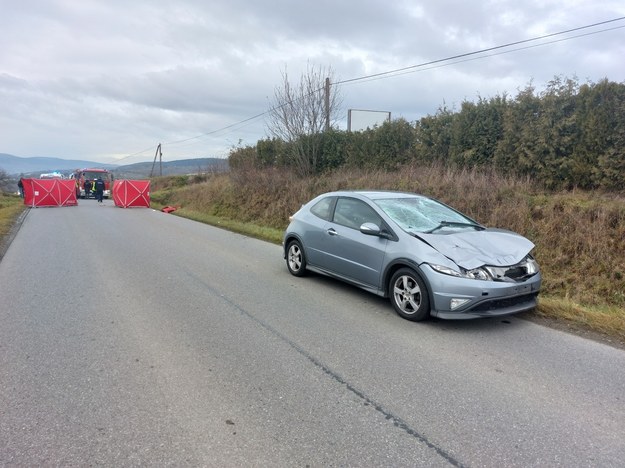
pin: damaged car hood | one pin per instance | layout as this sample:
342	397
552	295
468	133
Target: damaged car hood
473	249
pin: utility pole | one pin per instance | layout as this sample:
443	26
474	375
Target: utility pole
158	153
327	104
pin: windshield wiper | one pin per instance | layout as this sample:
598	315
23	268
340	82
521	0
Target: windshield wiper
443	224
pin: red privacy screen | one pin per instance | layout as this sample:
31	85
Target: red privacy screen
131	193
49	192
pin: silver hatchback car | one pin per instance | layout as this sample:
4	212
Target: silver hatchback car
427	257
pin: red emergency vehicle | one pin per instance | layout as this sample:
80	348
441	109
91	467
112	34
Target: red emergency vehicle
82	175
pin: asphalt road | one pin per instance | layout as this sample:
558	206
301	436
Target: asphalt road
131	337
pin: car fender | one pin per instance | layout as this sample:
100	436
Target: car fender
288	238
404	263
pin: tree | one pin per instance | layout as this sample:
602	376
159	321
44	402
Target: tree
301	112
518	149
388	146
5	181
604	133
243	158
434	136
477	130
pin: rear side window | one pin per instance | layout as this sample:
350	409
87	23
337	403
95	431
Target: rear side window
323	208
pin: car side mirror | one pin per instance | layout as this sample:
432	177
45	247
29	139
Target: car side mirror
371	229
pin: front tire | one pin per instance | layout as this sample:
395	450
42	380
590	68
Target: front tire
295	259
409	295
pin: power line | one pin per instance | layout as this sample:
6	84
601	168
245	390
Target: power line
468	54
454	59
425	67
228	127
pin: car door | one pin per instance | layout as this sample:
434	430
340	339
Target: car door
348	252
314	233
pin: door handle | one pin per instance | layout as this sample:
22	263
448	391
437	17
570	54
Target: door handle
332	232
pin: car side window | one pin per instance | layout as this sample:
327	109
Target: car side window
323	208
354	213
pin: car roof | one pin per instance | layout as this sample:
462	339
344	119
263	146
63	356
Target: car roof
375	194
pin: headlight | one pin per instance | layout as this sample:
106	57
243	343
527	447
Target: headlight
477	273
445	270
531	265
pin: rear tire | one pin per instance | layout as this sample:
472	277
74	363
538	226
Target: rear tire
295	259
409	295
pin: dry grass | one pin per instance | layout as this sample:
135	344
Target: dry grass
608	323
10	208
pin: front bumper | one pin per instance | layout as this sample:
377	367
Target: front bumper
106	193
480	298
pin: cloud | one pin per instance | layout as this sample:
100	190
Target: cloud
104	80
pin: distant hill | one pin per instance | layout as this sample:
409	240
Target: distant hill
33	167
14	165
180	167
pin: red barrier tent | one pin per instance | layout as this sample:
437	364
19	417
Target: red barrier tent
131	193
49	192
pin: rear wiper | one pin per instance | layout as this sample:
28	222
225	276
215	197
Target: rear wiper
443	224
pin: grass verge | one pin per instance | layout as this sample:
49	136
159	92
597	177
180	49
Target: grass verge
11	206
607	321
248	229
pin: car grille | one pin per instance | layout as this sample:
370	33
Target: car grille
498	304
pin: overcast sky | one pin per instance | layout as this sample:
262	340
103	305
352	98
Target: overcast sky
108	80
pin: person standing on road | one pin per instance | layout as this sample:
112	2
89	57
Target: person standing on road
99	189
20	186
87	188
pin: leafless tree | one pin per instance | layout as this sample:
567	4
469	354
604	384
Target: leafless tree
5	182
301	112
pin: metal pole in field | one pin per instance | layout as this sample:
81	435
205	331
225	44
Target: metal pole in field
327	103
